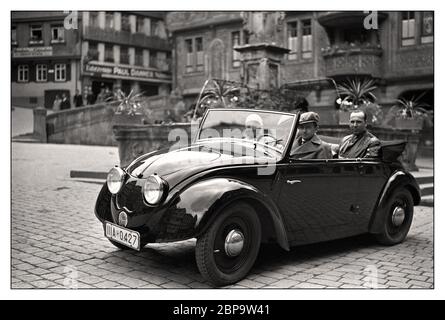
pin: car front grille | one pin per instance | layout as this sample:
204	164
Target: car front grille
130	197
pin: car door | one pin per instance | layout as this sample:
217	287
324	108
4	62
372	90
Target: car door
318	199
372	179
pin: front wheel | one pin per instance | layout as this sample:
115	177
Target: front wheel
228	249
398	218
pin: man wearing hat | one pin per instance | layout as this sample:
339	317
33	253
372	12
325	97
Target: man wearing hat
308	145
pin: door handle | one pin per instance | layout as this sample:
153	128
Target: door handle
293	181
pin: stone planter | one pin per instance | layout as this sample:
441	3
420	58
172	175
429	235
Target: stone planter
126	119
409	123
136	139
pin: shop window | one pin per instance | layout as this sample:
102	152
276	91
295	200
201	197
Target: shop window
189	54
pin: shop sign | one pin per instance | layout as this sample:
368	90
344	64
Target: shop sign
125	72
24	52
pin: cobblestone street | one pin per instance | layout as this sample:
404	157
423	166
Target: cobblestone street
57	242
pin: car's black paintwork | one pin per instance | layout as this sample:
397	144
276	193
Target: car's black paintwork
335	199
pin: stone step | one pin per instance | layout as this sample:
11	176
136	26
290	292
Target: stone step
427	189
427	201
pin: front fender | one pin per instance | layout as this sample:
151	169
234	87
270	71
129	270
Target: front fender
196	207
399	179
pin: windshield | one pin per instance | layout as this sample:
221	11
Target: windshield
265	128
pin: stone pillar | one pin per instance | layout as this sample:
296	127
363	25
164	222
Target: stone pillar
40	124
146	58
117	54
101	50
117	21
132	23
261	59
101	19
261	65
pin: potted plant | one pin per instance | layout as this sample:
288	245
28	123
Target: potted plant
129	110
411	113
357	94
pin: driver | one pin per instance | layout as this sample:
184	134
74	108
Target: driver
308	145
254	127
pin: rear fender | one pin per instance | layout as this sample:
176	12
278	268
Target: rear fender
398	180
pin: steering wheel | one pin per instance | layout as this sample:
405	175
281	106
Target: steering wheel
268	139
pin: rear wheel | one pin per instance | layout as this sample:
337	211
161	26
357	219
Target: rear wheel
226	252
398	218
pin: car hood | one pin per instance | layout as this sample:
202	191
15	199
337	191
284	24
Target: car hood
174	166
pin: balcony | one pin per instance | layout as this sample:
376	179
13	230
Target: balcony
333	19
126	38
353	59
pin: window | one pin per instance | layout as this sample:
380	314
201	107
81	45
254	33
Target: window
199	54
94	19
109	56
427	27
140	24
189	53
124	57
153	63
236	41
125	23
408	28
292	39
36	34
138	57
246	37
109	20
23	73
60	72
13	35
307	39
41	73
57	33
153	27
93	52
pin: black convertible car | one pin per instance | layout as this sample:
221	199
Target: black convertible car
236	186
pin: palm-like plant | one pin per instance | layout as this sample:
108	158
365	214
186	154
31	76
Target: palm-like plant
216	92
357	92
130	104
410	108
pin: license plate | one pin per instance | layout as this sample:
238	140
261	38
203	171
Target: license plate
127	237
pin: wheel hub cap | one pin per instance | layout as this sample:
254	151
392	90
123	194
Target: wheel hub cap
398	216
234	243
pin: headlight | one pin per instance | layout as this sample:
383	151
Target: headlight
115	179
154	188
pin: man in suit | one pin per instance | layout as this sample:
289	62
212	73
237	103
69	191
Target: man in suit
308	145
361	143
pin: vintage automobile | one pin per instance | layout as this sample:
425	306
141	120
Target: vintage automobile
237	186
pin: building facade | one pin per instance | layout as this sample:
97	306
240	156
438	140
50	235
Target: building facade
126	50
114	50
397	52
45	58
